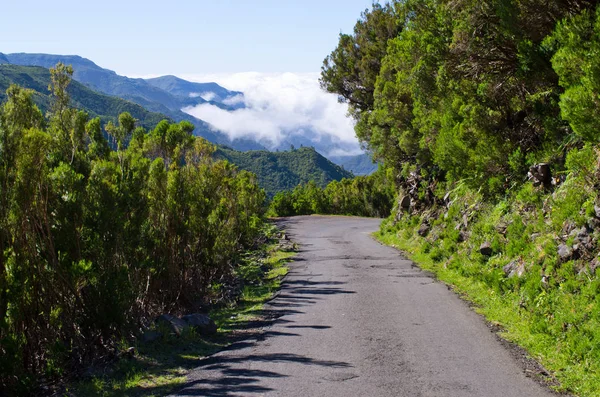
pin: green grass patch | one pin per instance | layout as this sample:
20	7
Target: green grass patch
160	367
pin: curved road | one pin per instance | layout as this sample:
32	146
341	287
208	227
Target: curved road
356	319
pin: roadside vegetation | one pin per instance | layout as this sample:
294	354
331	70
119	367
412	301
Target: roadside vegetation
104	229
160	366
371	196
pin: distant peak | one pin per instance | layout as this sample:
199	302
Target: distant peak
49	60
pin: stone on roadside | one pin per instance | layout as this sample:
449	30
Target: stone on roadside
423	230
150	336
405	202
514	268
540	174
593	223
486	249
590	268
594	265
172	323
202	323
564	252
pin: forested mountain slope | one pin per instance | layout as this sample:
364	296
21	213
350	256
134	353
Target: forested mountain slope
360	164
277	171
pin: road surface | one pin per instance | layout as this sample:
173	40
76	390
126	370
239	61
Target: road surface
354	318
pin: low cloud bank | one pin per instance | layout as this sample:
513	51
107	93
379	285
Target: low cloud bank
279	107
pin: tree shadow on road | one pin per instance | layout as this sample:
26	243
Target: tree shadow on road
228	373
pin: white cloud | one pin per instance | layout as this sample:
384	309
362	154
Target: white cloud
278	106
208	96
234	100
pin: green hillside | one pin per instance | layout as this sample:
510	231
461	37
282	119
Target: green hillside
277	171
97	105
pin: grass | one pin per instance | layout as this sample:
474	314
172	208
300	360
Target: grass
159	368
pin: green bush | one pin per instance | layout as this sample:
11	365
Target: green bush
95	242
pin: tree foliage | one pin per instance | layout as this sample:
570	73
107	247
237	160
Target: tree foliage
371	196
457	88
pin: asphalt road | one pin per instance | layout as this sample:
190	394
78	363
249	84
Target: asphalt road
356	319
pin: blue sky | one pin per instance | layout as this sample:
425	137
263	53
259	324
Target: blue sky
182	37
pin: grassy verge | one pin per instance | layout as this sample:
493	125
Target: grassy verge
543	301
160	367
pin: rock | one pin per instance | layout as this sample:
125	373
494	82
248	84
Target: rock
465	221
564	252
590	268
573	233
462	237
128	354
534	236
514	268
587	242
594	265
286	245
501	228
486	249
423	230
172	323
203	324
150	336
597	211
568	227
594	223
543	170
405	202
540	174
582	233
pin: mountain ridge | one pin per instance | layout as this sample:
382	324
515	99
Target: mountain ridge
188	90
